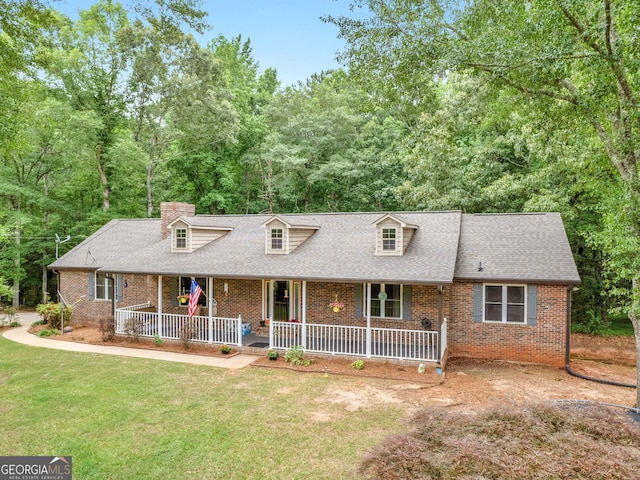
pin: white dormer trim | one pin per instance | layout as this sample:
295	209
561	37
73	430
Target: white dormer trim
187	238
283	237
392	235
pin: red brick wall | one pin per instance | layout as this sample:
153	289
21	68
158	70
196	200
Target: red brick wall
74	286
540	343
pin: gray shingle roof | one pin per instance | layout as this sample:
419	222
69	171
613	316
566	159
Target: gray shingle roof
522	247
529	247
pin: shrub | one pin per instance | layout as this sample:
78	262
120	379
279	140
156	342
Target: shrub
132	329
9	317
225	349
157	340
48	333
272	355
107	328
51	313
187	333
38	322
357	364
295	356
531	442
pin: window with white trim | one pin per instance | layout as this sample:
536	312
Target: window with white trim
386	300
184	287
505	303
104	287
276	238
181	238
389	239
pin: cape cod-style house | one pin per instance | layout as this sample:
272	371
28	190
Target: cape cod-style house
399	285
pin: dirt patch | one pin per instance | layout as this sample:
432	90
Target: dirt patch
466	384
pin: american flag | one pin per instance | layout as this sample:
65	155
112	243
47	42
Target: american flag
194	296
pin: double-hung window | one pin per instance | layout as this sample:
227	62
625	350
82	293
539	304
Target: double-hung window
388	239
276	238
104	287
181	238
505	303
386	300
184	286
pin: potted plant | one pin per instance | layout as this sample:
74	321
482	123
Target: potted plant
183	299
336	305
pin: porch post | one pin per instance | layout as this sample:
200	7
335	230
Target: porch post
239	330
160	306
368	307
304	314
210	301
269	312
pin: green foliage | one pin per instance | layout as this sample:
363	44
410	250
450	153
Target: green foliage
357	364
49	332
6	292
295	356
52	313
225	349
157	340
595	325
273	355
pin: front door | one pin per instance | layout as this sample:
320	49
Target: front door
281	300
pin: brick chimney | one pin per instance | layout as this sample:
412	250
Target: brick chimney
169	211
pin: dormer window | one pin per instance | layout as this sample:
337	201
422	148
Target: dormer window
181	238
282	236
393	235
276	239
389	239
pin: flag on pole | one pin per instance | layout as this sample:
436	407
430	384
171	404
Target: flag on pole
194	296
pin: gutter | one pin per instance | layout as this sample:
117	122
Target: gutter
567	356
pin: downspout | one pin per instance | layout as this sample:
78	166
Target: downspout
439	351
113	294
567	354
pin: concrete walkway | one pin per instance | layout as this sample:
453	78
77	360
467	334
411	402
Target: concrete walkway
21	335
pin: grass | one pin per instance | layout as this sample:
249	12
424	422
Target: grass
619	325
127	418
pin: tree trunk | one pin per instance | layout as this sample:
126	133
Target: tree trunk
635	321
16	278
149	190
104	181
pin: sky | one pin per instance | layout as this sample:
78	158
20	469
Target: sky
287	35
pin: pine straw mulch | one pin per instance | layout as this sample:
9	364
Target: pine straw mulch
538	441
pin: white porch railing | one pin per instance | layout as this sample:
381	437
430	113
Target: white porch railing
351	340
132	321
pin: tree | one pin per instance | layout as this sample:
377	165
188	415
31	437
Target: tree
579	56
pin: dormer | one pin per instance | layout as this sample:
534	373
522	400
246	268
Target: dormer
283	237
187	235
393	235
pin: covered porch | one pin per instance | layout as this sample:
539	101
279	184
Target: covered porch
369	342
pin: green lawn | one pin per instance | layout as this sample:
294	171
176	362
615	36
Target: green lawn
619	325
124	418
